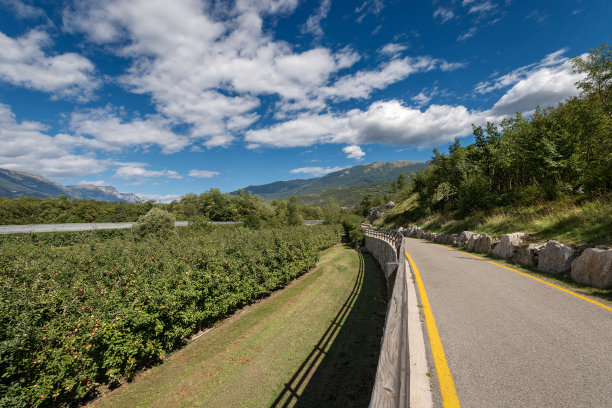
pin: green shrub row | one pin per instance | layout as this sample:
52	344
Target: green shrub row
72	318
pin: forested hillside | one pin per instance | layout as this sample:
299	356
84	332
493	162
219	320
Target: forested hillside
560	154
372	173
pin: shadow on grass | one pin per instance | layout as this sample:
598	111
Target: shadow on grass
340	369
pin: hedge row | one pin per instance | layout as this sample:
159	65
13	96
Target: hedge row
76	317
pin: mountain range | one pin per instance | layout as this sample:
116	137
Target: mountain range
14	184
366	178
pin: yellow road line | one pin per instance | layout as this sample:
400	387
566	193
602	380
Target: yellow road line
447	386
596	303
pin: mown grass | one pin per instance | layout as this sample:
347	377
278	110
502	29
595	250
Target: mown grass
570	220
314	343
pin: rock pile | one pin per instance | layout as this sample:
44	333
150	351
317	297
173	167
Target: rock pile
592	267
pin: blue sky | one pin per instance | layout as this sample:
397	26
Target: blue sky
163	98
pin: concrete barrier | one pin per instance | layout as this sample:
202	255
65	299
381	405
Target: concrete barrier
392	383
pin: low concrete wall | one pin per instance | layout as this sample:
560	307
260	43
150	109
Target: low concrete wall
385	255
392	383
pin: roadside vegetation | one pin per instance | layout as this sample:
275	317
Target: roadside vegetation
211	205
549	174
75	317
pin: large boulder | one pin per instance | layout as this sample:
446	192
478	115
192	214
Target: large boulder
375	213
452	239
471	242
555	257
508	245
593	267
484	244
527	255
419	233
463	238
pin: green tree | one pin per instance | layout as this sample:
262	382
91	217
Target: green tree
598	81
156	223
293	212
331	211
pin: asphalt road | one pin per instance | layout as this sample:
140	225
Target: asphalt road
71	227
34	228
511	341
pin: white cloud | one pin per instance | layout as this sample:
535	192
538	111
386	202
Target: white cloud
392	123
393	49
103	129
131	172
369	7
27	147
203	72
468	34
22	9
98	183
444	14
422	98
316	171
386	122
207	67
544	83
481	7
543	87
23	62
313	24
353	152
554	59
160	198
203	173
363	83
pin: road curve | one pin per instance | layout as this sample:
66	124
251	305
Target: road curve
511	341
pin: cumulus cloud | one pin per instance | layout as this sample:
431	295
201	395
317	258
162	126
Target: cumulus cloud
203	173
544	83
169	43
104	129
392	49
208	69
353	152
386	122
136	172
23	62
316	171
26	146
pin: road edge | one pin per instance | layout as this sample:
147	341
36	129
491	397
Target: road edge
420	386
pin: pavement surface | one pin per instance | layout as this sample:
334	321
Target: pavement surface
71	227
511	341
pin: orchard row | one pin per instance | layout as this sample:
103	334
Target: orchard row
72	318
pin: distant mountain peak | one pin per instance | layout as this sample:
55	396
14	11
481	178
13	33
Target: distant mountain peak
15	183
370	173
